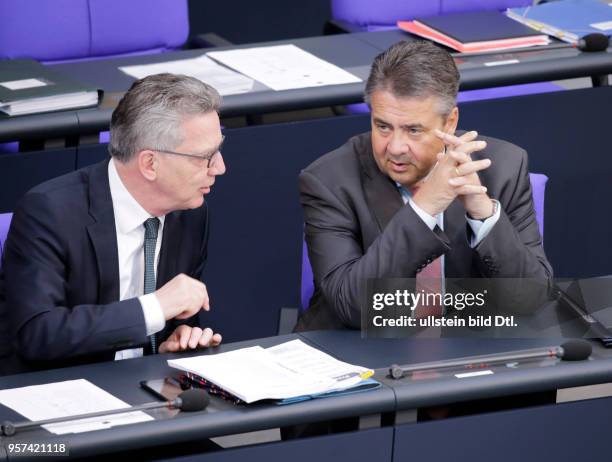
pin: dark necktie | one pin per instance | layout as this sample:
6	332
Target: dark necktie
151	228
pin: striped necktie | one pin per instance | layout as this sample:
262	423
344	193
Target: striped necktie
151	228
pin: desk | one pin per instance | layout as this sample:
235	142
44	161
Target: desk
396	439
220	418
537	65
352	52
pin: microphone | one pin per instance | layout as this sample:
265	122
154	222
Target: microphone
593	42
590	42
192	400
573	350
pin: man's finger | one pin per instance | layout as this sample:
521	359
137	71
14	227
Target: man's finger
456	140
206	337
469	189
183	336
169	346
216	340
472	167
194	337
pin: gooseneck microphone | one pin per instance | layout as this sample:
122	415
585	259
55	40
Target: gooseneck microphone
588	43
192	400
573	350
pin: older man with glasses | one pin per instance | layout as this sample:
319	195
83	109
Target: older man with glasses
107	262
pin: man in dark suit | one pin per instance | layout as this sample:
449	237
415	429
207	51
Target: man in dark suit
412	196
106	262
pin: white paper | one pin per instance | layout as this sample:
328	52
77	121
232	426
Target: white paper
284	67
224	80
72	397
306	358
288	370
606	25
23	84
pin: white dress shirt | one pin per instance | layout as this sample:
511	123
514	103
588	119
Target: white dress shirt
129	226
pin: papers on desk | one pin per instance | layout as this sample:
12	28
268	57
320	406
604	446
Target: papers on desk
289	372
225	81
283	67
72	397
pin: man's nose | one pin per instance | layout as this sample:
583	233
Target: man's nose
397	145
217	166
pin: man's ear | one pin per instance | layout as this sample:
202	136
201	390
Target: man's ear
451	121
147	164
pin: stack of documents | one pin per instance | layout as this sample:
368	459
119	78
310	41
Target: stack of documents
289	372
475	32
28	87
568	20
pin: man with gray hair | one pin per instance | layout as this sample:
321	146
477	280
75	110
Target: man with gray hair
107	262
411	198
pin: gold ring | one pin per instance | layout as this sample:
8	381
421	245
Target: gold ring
457	171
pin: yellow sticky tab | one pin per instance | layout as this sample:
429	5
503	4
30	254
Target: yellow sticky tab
366	374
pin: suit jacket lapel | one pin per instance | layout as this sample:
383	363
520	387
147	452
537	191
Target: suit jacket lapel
168	254
459	258
102	233
380	191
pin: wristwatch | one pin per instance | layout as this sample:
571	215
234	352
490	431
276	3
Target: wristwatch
495	206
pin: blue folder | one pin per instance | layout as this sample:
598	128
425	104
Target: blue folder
573	16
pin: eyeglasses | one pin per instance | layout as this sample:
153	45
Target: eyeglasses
207	157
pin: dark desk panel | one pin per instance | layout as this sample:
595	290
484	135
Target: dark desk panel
560	433
363	446
20	172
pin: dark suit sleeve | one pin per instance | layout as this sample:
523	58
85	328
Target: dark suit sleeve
36	269
340	265
513	247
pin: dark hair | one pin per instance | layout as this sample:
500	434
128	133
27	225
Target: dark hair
415	69
150	114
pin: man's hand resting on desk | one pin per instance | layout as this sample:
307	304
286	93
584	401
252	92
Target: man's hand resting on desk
189	338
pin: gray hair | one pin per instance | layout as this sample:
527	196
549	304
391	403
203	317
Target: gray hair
415	69
150	114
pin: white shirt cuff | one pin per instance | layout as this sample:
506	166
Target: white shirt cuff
153	314
481	229
430	221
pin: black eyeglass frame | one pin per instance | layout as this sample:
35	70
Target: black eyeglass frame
206	157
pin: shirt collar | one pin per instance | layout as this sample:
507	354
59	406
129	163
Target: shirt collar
129	214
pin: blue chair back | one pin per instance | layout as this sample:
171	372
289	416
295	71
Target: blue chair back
372	15
54	31
538	190
5	223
